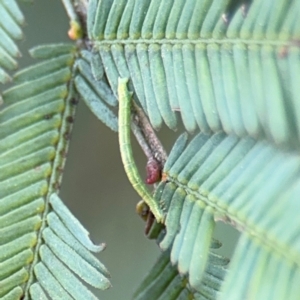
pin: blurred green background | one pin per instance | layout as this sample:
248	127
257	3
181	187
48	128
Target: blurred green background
95	187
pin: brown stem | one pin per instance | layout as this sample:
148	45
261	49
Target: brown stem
146	136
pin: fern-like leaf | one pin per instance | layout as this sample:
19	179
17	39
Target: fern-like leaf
164	282
230	68
94	90
225	65
43	248
187	242
219	177
10	30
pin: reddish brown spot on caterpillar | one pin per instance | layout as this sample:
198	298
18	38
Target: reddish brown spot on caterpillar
153	170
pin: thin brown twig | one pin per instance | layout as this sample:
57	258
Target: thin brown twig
147	137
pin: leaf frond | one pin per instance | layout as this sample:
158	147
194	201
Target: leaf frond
94	89
170	278
64	253
230	66
219	178
11	22
164	282
44	251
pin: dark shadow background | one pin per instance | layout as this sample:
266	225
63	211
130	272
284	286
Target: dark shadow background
95	187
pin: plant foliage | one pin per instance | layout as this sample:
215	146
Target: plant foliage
10	30
231	70
225	65
229	67
44	251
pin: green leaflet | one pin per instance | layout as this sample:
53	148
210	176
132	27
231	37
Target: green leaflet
48	66
52	50
65	243
126	152
10	30
94	89
164	282
188	237
87	68
100	110
162	276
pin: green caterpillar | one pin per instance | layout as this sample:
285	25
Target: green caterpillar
126	151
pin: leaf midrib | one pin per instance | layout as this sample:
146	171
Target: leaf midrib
272	43
263	236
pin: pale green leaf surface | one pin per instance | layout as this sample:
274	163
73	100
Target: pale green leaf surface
219	63
40	259
37	292
189	237
225	66
97	94
231	69
164	282
101	89
100	110
226	186
97	66
15	12
52	50
10	30
73	224
43	68
16	293
64	234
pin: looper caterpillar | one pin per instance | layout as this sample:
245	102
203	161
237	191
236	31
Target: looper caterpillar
126	151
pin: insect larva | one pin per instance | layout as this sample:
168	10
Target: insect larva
126	151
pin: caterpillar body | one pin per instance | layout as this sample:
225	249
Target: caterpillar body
126	152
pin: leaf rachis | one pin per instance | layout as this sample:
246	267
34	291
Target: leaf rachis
126	151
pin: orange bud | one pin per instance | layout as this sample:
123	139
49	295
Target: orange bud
75	31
